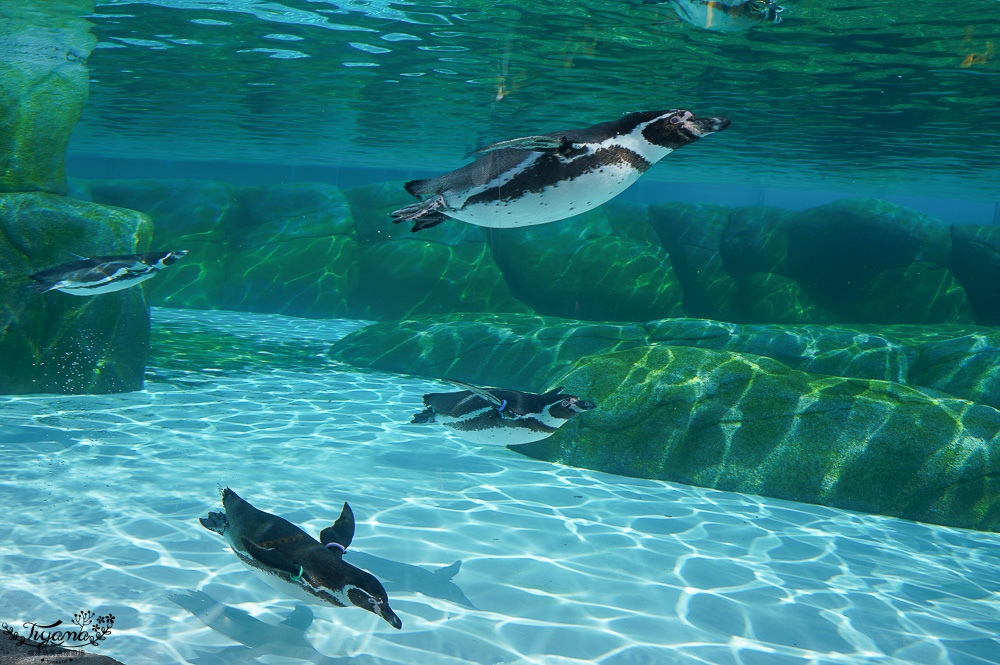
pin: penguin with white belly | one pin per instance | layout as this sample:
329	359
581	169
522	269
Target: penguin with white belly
292	561
499	416
102	274
548	177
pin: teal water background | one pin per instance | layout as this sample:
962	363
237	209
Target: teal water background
877	96
562	566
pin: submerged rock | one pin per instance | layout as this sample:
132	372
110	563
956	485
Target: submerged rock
851	261
581	269
61	343
851	416
750	424
43	88
975	260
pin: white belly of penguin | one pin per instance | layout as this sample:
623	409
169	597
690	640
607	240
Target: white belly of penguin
500	434
105	287
291	589
559	201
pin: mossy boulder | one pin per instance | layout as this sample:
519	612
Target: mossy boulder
414	277
580	268
750	424
43	88
57	342
871	261
850	261
692	235
975	261
517	351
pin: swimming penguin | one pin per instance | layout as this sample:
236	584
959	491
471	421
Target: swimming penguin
504	417
725	15
103	274
545	178
290	560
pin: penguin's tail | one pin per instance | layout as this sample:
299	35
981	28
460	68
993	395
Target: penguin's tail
425	416
216	522
39	287
419	188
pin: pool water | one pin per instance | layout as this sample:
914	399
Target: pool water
559	565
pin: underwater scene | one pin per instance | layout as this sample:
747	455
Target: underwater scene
455	332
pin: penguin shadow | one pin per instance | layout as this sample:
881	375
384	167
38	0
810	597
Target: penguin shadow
405	578
287	638
257	638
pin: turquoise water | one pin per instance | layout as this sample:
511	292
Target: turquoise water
559	566
878	95
489	557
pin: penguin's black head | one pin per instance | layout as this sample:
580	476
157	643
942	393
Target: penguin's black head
677	127
366	592
172	257
566	406
159	260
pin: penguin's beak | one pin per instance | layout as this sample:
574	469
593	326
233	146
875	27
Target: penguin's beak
704	126
390	616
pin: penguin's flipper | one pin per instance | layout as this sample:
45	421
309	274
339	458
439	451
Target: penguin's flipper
342	531
271	558
216	522
425	416
448	572
536	143
481	392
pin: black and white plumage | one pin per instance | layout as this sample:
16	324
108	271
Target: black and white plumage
290	560
499	416
725	15
548	177
103	274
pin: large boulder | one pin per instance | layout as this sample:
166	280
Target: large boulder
750	424
692	235
511	350
581	269
43	88
57	342
524	352
413	277
851	261
975	261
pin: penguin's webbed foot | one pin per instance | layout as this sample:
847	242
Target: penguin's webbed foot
429	221
417	211
216	522
425	416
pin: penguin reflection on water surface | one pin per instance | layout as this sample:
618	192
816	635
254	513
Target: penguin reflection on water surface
103	274
725	15
548	177
498	416
290	560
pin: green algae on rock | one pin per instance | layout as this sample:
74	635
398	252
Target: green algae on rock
57	342
750	424
580	269
43	88
523	351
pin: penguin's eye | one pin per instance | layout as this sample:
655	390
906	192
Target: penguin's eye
676	120
566	402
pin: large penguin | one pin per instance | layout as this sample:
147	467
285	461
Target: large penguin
548	177
290	560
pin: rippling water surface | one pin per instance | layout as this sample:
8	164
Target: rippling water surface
888	92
